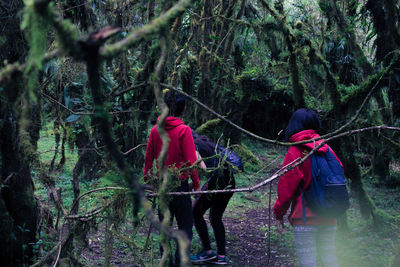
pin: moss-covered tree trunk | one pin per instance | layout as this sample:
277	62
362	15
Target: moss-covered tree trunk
385	17
18	212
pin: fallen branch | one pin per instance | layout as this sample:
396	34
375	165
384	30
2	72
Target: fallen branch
89	214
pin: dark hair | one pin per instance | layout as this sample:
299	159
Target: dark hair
175	102
302	119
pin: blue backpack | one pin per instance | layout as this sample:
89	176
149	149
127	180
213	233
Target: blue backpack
328	196
231	157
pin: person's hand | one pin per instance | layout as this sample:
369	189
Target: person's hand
279	226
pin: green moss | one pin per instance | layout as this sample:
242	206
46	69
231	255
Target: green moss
29	152
250	161
208	126
35	30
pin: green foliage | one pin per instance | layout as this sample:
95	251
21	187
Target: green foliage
35	28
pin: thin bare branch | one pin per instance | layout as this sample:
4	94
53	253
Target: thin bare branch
84	113
133	149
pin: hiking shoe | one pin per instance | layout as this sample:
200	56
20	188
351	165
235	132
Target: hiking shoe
203	256
220	260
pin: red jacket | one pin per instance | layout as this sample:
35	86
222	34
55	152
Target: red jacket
181	149
290	184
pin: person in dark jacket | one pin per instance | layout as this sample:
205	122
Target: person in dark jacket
312	231
181	154
220	178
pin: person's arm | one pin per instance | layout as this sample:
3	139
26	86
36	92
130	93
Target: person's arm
189	153
201	163
288	184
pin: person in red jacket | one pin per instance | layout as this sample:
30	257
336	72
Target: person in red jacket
181	156
312	231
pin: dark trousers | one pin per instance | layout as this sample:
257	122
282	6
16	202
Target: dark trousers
217	203
180	208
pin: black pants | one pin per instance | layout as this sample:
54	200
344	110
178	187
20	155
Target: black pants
180	208
217	203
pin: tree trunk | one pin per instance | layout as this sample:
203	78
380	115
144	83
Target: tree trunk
18	211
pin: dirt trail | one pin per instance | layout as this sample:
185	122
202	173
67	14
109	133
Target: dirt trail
247	244
247	241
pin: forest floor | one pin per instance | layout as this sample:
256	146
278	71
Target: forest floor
248	241
247	245
248	235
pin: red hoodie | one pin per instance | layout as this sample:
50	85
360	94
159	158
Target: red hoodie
181	149
290	184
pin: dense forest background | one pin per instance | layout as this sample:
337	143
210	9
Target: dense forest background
92	73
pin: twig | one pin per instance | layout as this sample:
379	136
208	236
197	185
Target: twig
128	89
223	39
93	191
89	214
132	149
59	245
78	149
85	113
65	107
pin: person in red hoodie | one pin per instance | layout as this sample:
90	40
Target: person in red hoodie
312	231
181	155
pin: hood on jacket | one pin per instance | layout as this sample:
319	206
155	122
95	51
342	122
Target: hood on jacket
309	135
172	122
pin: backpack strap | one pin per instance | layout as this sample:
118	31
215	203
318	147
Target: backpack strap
303	204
